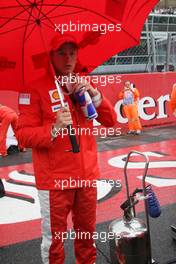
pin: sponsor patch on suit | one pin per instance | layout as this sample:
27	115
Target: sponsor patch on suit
24	99
54	96
55	108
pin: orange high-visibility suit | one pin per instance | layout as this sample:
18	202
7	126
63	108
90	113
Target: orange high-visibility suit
7	117
130	107
173	98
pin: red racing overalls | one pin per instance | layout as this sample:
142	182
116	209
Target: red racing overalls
54	162
7	117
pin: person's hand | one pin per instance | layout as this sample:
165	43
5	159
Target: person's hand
63	118
128	89
82	83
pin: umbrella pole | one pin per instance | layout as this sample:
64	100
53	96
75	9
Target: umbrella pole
73	141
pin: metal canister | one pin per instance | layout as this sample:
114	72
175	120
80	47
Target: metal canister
130	244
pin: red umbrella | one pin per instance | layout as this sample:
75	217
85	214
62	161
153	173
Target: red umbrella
102	28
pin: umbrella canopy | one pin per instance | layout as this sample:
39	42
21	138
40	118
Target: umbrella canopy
27	27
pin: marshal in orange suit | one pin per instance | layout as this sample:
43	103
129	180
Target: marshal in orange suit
7	117
173	100
130	98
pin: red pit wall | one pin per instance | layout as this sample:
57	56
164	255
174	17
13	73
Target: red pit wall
153	85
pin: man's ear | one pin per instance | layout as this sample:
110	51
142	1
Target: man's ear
51	55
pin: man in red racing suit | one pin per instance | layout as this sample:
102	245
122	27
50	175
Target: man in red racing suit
59	172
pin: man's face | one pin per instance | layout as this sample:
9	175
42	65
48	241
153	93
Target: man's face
65	58
127	84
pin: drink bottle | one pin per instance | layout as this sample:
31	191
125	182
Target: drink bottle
86	104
